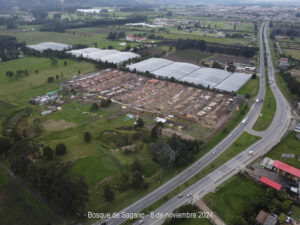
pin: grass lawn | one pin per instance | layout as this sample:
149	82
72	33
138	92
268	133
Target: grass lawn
268	111
289	145
233	198
192	54
17	204
5	108
296	73
279	79
18	91
250	88
75	36
296	213
292	52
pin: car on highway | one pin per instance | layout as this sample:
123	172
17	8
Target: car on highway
189	194
180	196
244	121
141	221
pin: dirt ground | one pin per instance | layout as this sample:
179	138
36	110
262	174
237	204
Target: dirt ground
52	125
169	133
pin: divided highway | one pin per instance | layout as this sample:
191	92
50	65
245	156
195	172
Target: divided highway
270	138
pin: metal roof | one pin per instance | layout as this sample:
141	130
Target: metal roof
270	183
176	70
106	55
150	64
233	82
207	77
287	168
49	45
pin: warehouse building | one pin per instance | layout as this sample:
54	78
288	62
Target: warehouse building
208	77
49	45
110	55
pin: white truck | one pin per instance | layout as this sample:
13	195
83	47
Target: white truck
244	121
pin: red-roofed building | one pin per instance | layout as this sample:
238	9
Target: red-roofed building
270	183
286	170
137	39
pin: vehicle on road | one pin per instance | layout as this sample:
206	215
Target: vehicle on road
244	121
189	194
180	196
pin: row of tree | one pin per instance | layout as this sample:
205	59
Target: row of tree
9	47
202	45
61	26
116	35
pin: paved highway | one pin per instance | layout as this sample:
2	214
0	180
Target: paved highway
271	137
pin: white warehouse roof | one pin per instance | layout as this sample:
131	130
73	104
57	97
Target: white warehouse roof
176	70
119	57
214	78
49	45
207	77
150	64
97	55
110	55
234	82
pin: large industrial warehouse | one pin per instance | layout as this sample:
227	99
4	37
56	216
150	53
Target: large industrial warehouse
49	45
110	55
207	77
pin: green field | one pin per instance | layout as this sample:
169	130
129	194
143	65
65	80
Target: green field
19	91
292	52
289	145
233	198
250	88
72	37
5	108
268	111
192	54
17	205
296	212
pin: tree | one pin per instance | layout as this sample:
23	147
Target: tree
53	62
156	130
163	153
87	137
94	107
105	103
5	145
65	63
136	166
48	153
137	179
139	124
231	67
11	24
50	80
9	73
253	76
60	149
108	194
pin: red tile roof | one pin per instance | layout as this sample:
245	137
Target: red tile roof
270	183
287	168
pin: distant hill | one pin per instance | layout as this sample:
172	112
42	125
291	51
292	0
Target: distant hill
55	4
